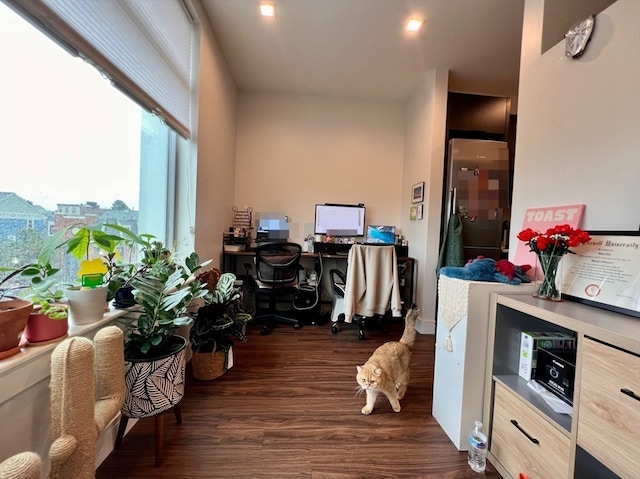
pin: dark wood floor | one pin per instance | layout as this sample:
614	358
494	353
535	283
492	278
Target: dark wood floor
288	409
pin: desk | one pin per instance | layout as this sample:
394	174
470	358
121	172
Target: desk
406	267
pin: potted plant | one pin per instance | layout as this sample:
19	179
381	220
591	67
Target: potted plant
155	356
49	318
15	311
219	320
88	301
119	274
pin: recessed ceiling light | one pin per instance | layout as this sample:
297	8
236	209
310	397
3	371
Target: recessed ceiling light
267	9
414	25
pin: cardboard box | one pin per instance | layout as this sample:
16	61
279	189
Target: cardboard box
531	341
556	371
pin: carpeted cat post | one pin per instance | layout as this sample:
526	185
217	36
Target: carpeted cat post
87	392
72	406
25	465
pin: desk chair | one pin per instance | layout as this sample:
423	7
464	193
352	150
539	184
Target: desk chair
372	286
338	281
276	276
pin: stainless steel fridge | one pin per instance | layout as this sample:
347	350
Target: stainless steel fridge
478	191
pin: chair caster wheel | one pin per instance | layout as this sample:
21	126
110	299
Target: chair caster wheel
264	331
334	328
360	334
297	326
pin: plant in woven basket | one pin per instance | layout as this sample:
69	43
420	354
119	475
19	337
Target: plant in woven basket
222	317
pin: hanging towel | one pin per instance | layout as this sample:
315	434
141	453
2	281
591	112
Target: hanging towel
452	249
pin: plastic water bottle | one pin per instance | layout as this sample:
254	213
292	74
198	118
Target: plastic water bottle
477	448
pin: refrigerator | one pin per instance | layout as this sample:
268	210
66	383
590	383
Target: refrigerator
478	191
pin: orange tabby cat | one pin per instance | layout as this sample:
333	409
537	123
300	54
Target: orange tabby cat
387	370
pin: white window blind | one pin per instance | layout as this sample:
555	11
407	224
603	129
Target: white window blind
143	46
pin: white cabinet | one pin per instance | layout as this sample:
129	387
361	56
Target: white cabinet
600	439
459	374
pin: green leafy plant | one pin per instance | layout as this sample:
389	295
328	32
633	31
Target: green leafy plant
222	317
32	278
164	292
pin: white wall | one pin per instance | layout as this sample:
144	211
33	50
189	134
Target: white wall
216	146
578	138
425	128
294	151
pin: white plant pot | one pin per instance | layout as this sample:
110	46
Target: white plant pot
86	306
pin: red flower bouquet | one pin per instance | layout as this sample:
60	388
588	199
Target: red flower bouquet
556	240
550	247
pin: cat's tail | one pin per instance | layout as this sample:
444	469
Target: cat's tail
409	333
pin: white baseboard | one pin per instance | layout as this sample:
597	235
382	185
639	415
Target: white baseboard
426	326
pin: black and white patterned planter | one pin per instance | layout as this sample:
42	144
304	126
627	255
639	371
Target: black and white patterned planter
154	386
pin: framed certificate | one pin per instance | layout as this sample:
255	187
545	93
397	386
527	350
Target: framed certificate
605	272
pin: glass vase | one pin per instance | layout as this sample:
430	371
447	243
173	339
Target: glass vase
550	265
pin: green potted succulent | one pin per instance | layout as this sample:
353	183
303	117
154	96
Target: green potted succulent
217	322
155	356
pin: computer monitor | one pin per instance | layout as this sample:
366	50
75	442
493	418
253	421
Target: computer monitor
381	234
339	220
272	227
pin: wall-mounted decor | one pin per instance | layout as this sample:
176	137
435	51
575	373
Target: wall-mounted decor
413	212
605	272
417	193
419	211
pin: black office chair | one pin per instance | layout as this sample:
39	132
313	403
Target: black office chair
277	266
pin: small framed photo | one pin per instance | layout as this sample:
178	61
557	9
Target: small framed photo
417	193
419	209
413	212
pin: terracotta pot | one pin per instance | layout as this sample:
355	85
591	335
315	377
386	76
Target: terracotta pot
86	306
14	314
42	329
155	385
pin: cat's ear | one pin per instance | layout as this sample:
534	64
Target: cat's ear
359	368
378	372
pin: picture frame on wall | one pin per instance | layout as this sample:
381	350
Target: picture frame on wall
412	213
419	211
605	272
417	192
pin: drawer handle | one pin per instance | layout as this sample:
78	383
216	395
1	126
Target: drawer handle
630	393
532	439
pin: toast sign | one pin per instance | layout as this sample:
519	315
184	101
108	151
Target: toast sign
541	219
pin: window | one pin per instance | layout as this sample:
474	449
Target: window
73	149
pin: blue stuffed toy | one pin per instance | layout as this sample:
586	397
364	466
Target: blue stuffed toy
484	269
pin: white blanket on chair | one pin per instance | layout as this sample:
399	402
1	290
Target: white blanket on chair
372	285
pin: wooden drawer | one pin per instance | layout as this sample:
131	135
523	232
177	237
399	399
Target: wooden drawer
609	419
544	454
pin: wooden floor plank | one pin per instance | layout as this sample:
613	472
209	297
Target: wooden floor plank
289	409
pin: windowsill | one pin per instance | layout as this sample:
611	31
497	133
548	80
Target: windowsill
37	359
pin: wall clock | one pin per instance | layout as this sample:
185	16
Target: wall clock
578	36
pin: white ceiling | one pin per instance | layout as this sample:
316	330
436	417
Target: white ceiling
359	48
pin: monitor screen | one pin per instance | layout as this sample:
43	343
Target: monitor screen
340	220
272	227
381	234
